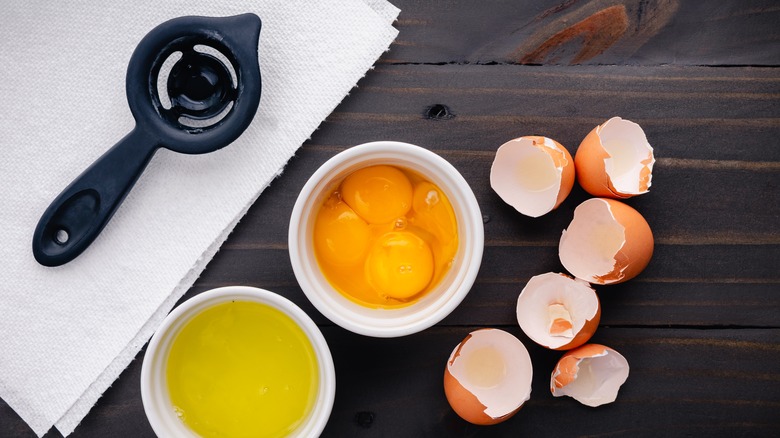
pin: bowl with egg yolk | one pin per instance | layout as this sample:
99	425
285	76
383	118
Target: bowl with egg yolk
386	239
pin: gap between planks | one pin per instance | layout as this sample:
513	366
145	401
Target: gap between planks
547	92
721	280
671	241
591	121
698	240
390	67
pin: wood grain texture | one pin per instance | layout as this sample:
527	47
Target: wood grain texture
700	326
638	32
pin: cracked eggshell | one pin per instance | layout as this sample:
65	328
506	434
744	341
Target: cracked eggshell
488	377
607	242
591	374
615	160
558	312
533	174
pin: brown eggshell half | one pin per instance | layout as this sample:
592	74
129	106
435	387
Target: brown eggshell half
598	222
465	377
594	384
576	296
533	174
592	156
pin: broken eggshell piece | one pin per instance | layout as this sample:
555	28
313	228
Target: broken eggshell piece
488	377
607	242
557	311
533	174
591	374
615	160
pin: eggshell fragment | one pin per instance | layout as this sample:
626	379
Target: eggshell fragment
557	311
615	160
488	377
607	242
533	174
591	374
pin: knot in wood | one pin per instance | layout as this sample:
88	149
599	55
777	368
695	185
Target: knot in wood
364	418
438	112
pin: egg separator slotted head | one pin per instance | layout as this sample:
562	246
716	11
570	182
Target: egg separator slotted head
193	86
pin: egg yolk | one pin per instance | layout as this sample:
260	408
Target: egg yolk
400	264
341	237
378	193
385	237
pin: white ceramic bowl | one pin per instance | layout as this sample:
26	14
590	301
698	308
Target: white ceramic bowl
436	304
154	392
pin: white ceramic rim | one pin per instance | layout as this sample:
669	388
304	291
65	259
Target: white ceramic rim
154	392
443	299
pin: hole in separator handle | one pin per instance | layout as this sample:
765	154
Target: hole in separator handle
61	236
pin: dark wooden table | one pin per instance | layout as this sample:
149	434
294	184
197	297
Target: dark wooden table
700	327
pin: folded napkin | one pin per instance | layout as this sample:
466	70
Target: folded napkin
67	332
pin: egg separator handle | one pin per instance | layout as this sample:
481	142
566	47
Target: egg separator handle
199	86
79	213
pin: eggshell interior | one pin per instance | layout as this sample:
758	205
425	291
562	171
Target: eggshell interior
488	376
533	174
578	302
607	242
615	160
591	374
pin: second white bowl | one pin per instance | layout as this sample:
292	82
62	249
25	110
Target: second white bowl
154	389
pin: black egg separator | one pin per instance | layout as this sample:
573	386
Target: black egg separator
213	90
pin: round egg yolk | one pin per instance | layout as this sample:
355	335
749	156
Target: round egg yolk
341	237
378	194
399	264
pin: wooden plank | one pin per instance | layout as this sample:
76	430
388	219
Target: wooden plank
681	382
686	112
647	32
501	264
640	303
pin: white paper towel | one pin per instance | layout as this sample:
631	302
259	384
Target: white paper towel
67	332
